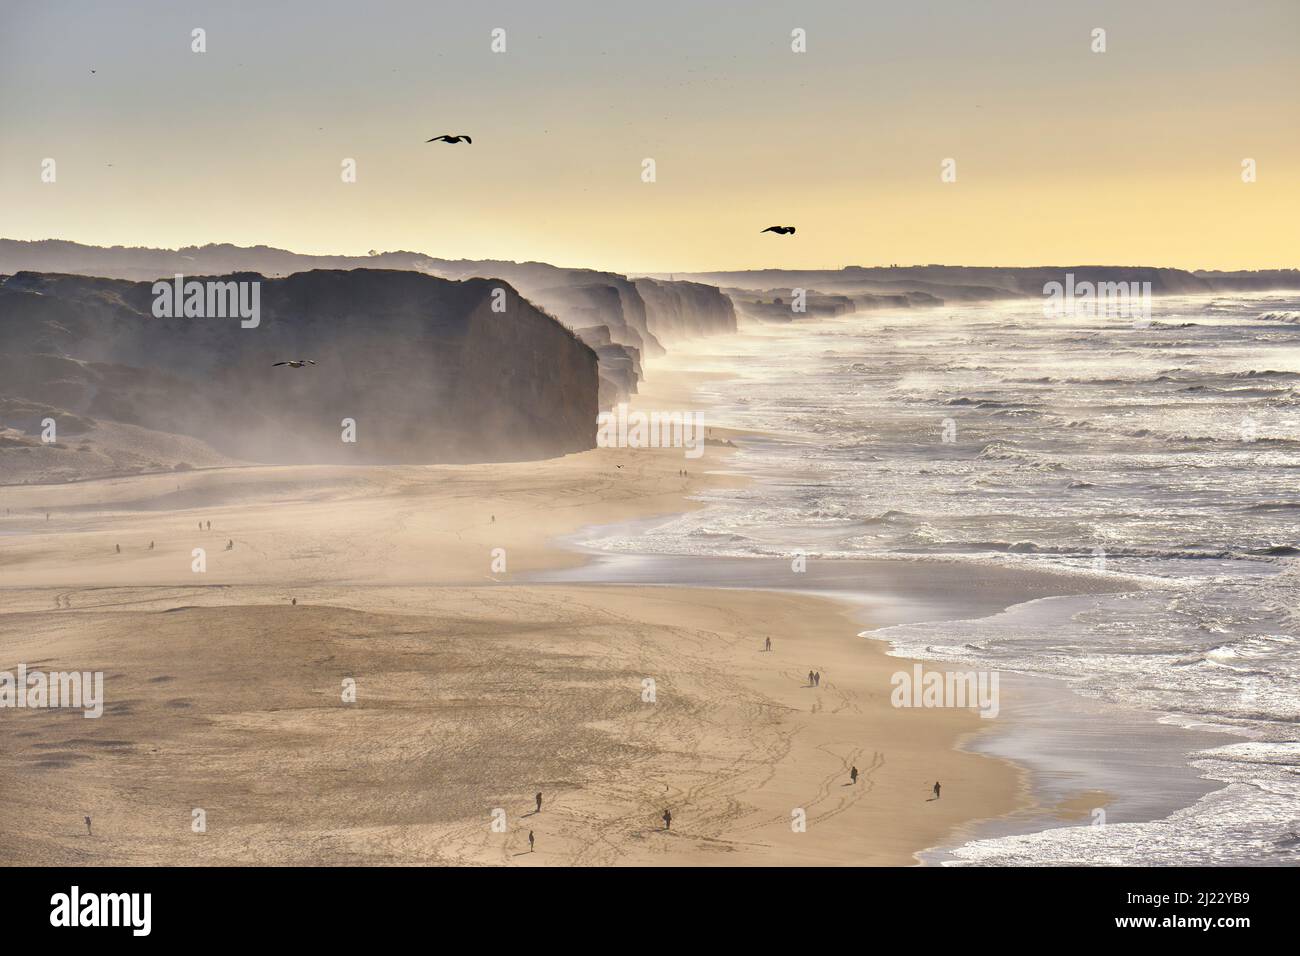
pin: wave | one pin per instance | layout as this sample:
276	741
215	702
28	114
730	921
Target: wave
1094	551
887	517
991	403
1190	439
1246	391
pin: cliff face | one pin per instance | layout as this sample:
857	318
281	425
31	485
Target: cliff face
620	366
580	298
423	366
595	305
685	310
577	297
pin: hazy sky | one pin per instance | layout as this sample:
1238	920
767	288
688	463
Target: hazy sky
1062	155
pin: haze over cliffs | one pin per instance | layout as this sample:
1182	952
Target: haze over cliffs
408	344
425	367
639	317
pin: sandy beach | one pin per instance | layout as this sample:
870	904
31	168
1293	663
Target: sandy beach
472	692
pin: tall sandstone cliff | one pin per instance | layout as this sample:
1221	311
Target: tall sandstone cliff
639	317
424	366
685	310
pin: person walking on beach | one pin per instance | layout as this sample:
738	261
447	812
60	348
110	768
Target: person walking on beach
531	840
853	775
150	545
87	826
668	819
817	678
293	601
119	549
539	801
767	645
936	790
810	678
209	525
230	545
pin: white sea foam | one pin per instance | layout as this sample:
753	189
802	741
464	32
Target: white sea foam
1169	453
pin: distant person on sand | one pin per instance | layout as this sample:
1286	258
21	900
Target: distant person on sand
200	525
810	678
668	819
87	826
494	519
936	790
209	525
230	545
817	678
539	801
294	602
47	516
853	774
119	549
767	645
531	847
150	545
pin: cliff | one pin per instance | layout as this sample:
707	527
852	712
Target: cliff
685	310
579	298
620	366
424	366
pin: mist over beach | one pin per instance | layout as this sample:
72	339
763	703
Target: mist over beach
695	437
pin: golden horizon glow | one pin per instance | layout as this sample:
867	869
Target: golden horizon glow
1064	156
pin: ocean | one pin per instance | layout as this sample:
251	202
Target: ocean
1163	455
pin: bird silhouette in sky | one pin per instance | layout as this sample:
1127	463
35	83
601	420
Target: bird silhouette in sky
781	230
449	138
297	363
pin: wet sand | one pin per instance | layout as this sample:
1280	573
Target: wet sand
473	690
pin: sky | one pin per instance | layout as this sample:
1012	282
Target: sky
1062	155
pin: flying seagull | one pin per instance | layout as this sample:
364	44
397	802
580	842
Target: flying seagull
781	230
295	364
448	138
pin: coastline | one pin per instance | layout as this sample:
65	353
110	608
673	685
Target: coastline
475	687
1081	761
222	696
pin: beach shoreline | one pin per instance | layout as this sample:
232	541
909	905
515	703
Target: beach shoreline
395	568
219	694
753	761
